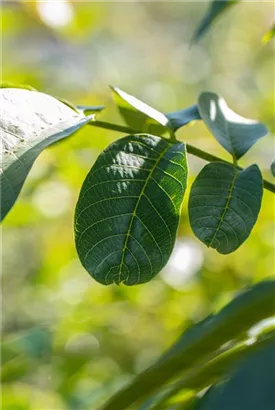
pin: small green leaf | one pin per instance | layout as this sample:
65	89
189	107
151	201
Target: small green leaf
224	204
269	35
235	133
138	115
272	167
128	209
30	121
216	8
251	386
141	117
180	118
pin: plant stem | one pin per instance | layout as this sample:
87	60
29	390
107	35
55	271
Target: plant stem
190	148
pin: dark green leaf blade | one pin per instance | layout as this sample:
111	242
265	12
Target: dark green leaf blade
224	204
216	8
245	310
251	386
180	118
30	122
128	209
139	115
235	133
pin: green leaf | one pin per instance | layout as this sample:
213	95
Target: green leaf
235	133
272	167
128	209
30	121
216	8
224	204
180	118
141	117
269	35
251	386
197	347
138	115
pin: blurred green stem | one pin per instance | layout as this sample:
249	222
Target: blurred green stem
190	148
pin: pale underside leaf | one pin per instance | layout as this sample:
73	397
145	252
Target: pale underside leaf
30	121
235	133
224	204
128	209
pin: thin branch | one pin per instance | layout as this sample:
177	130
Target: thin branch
190	148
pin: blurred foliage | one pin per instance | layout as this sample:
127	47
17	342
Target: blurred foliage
68	342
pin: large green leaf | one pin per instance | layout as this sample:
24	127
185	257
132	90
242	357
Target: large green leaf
235	133
251	386
128	209
216	8
143	118
197	347
224	204
30	121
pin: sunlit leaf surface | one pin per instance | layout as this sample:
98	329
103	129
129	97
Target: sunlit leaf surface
30	121
235	133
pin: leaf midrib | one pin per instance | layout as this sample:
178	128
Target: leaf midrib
136	207
225	208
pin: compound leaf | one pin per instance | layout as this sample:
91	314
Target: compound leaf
235	133
216	8
224	204
30	121
128	209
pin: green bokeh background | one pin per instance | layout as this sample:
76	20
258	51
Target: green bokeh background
68	342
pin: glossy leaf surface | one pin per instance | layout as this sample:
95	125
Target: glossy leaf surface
30	121
128	209
235	133
224	204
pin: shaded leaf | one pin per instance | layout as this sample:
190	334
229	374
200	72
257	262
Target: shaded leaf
216	8
269	35
138	115
272	167
251	386
180	118
141	117
247	309
30	122
224	204
128	209
235	133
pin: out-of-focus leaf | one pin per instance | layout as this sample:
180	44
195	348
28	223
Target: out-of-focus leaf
85	109
30	121
141	117
272	167
128	209
269	35
216	8
235	133
180	118
224	204
251	386
247	309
